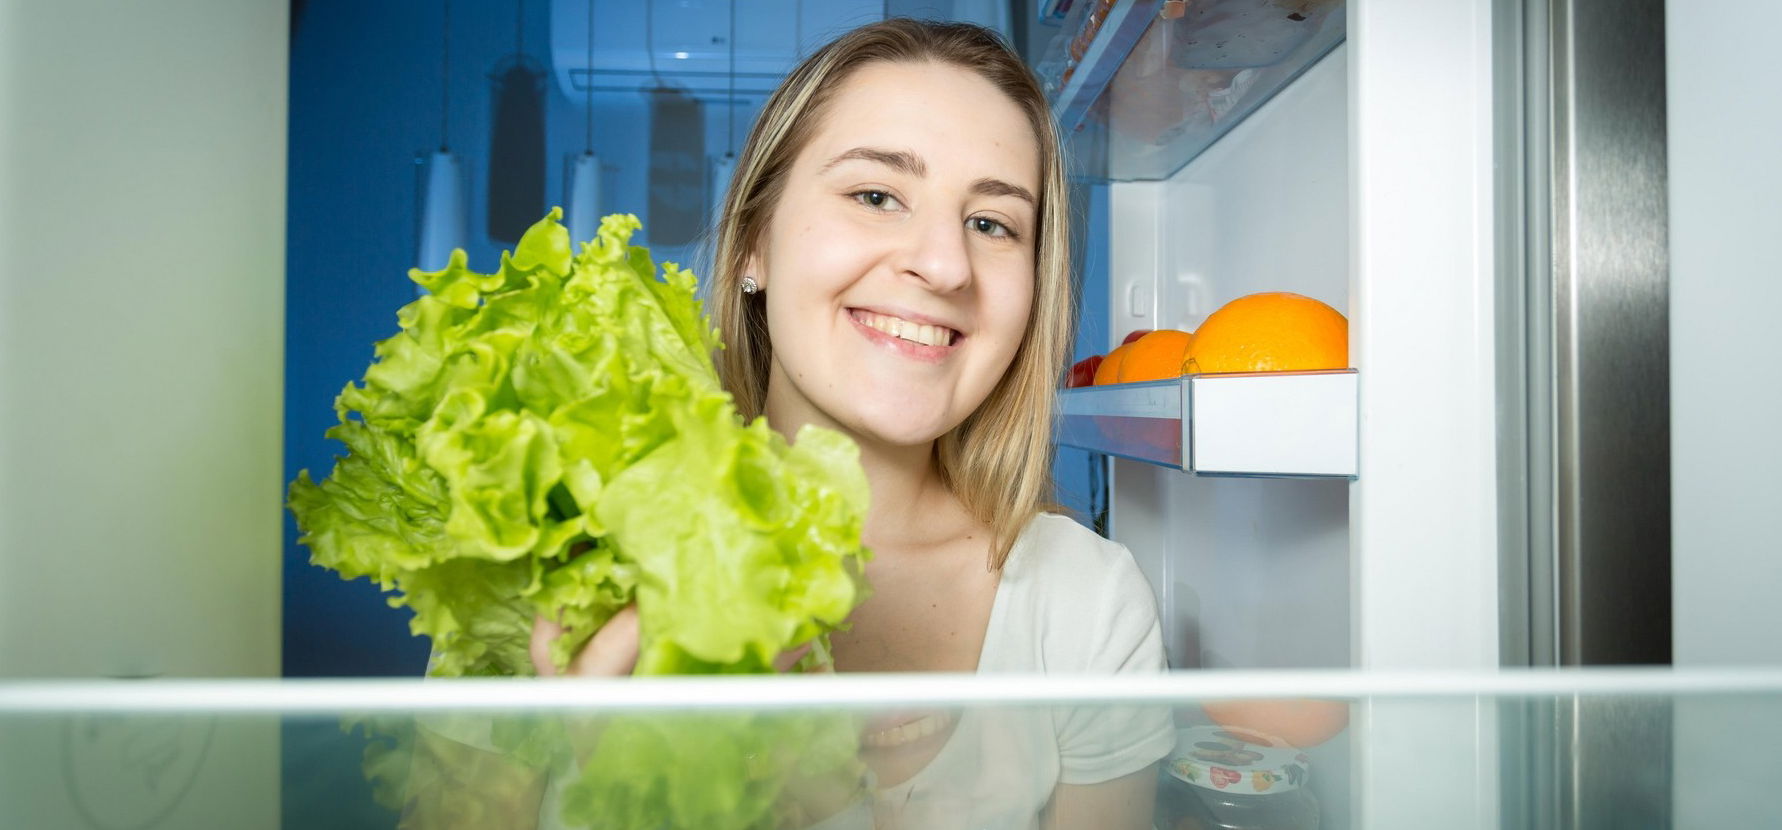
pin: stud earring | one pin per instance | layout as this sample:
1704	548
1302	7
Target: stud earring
749	286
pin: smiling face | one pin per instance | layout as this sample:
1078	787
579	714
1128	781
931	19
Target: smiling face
898	265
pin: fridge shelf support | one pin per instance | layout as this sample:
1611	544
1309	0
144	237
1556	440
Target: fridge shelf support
1275	425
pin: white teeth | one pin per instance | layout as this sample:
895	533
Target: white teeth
920	728
913	332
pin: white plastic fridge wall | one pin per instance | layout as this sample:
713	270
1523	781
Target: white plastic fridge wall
142	220
1250	573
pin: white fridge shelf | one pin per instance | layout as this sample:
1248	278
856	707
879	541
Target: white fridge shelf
1275	424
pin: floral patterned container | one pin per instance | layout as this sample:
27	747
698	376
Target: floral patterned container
1220	778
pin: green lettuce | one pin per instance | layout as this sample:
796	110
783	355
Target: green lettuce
553	439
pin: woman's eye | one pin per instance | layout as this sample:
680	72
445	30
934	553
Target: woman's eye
876	199
991	227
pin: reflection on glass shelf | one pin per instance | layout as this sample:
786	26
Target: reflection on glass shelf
1275	424
1329	750
1151	98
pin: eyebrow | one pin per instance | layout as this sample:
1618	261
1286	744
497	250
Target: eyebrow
903	161
998	187
909	163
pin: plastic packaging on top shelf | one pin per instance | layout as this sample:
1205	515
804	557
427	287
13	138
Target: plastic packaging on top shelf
1054	9
1154	100
1239	34
1191	77
1065	53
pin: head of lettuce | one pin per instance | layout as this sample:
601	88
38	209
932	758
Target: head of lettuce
553	439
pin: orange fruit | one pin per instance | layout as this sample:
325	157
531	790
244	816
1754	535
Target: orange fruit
1271	332
1109	370
1155	356
1300	722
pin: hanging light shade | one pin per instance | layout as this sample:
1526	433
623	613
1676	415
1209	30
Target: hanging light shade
443	226
516	189
584	197
442	211
584	169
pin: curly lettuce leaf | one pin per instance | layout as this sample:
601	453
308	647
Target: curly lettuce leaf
553	439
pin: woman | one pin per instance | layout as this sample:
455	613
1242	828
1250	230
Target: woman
892	263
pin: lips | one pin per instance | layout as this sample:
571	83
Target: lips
925	331
913	336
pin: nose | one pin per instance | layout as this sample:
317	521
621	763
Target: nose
936	253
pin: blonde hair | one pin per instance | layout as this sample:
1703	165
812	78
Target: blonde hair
997	462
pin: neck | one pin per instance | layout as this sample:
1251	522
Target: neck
907	491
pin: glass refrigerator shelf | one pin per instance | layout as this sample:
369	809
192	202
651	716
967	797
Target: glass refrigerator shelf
1152	91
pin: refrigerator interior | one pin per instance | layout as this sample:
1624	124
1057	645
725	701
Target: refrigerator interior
1251	573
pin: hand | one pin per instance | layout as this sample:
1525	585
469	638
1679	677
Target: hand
789	659
1302	723
612	652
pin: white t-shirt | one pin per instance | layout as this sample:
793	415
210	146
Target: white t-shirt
1069	602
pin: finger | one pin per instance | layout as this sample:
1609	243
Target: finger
544	631
788	659
612	652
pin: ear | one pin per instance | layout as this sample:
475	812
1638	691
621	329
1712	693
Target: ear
755	266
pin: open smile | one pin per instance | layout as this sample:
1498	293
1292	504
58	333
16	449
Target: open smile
925	342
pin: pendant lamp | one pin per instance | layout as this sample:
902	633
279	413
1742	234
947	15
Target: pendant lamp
516	141
677	203
442	225
584	168
442	211
584	197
